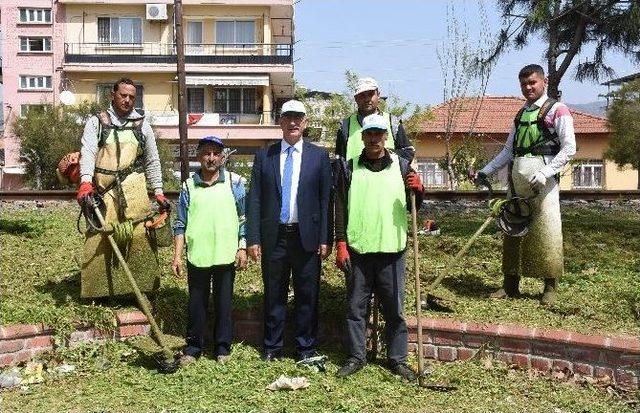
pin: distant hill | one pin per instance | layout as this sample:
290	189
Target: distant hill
598	108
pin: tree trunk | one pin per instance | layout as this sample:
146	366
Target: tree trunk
638	169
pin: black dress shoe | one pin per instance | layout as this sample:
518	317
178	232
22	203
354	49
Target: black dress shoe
271	355
403	370
353	365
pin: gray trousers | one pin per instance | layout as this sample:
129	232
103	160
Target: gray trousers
382	273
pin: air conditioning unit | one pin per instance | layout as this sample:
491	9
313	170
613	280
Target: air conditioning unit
157	12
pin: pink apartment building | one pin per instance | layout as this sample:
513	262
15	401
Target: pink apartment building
239	63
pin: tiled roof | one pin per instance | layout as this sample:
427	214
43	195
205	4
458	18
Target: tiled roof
496	115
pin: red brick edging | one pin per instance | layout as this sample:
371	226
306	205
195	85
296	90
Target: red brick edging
616	357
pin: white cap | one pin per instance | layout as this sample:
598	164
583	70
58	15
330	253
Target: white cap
293	106
365	84
374	121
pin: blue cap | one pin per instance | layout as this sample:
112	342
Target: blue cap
374	121
210	139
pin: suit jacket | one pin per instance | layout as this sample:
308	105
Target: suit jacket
264	200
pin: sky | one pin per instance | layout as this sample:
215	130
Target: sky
396	42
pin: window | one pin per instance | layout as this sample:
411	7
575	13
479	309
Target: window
194	38
41	16
104	96
431	174
195	100
235	32
234	100
120	30
35	82
587	174
35	44
24	109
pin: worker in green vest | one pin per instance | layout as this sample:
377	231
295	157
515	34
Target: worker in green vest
371	238
539	146
210	220
349	137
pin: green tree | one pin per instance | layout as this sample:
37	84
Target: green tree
568	27
624	123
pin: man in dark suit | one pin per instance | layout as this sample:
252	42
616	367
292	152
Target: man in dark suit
288	229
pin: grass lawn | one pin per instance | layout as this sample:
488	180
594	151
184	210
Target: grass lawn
118	377
599	293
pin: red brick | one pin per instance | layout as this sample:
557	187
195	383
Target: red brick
80	336
588	340
19	330
625	344
520	360
629	361
515	346
11	346
540	363
39	341
24	355
131	317
466	353
447	338
562	365
447	353
7	359
483	329
444	324
583	354
626	379
506	358
132	330
555	336
475	340
430	351
548	349
517	332
601	372
583	369
103	335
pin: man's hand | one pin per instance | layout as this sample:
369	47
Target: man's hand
85	190
479	179
163	203
413	182
343	259
241	259
176	265
255	252
324	251
538	181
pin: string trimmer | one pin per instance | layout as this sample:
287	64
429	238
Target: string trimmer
169	362
513	217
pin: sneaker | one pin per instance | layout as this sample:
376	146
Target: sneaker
223	358
352	366
186	359
403	370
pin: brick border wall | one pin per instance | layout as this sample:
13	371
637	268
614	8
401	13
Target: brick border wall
616	357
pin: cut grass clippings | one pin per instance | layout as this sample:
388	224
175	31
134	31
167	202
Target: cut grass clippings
118	377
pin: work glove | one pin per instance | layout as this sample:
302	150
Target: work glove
343	259
163	203
85	191
538	181
479	179
413	182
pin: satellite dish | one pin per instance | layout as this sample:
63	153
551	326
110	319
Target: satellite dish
67	98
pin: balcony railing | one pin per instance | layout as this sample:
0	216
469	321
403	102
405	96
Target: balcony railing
215	53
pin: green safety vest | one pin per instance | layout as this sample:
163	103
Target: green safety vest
355	145
377	218
528	133
212	224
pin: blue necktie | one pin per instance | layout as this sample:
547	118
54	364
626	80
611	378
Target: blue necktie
287	173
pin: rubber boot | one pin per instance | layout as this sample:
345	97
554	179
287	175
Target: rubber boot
510	288
549	293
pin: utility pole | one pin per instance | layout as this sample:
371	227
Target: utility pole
182	88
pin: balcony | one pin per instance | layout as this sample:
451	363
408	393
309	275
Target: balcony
165	53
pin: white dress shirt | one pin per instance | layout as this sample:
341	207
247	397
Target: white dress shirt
558	119
297	159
